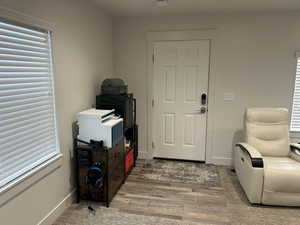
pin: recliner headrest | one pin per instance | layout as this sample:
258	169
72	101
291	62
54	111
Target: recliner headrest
268	115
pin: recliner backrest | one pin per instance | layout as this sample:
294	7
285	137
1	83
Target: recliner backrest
267	129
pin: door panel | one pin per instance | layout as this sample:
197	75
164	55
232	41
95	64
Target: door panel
189	130
180	78
169	84
190	84
168	129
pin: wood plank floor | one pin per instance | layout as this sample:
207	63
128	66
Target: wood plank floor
149	201
178	201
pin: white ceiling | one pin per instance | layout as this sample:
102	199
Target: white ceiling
149	7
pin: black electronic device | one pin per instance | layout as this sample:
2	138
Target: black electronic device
124	105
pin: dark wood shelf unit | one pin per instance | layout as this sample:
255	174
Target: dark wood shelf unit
113	160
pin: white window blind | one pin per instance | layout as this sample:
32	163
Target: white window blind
295	122
28	134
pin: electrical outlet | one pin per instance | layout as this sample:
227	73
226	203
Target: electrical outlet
162	3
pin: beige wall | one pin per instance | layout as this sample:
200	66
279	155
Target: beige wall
252	57
82	58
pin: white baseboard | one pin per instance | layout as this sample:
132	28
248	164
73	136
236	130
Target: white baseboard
214	160
52	216
222	161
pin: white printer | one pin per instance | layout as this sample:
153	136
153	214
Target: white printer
100	125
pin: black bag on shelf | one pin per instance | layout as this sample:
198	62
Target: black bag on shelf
113	87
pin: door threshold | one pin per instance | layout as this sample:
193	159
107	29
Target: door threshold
180	160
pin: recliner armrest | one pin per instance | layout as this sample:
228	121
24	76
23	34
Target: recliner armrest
255	156
295	148
295	151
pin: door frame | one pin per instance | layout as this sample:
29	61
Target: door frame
181	35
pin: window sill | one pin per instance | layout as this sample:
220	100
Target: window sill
23	182
294	134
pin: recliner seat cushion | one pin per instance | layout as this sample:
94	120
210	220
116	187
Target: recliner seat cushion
281	174
281	181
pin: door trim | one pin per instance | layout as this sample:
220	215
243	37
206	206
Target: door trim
188	35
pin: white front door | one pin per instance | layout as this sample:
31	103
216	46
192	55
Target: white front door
180	99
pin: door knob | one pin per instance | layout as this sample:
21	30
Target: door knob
202	110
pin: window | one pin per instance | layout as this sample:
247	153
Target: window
28	135
295	123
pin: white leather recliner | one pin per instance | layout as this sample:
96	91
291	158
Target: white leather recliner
267	165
